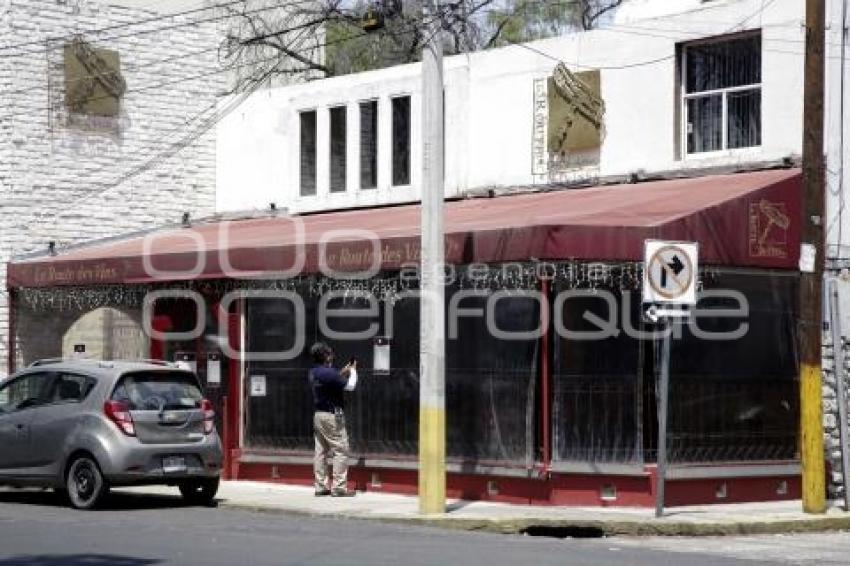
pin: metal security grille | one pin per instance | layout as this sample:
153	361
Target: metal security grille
738	400
747	420
597	384
490	384
730	400
596	419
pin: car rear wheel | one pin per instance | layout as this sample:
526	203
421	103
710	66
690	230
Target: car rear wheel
85	484
199	492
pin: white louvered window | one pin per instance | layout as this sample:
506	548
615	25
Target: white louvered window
339	140
307	149
401	140
369	144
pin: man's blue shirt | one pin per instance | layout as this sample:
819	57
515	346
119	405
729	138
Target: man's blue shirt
327	385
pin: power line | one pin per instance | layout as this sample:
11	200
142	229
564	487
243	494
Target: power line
641	63
152	161
685	39
157	85
686	34
175	147
144	32
41	87
683	35
223	70
188	139
125	25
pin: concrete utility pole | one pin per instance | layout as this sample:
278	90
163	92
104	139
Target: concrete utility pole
432	347
811	281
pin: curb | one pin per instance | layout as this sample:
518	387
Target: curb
563	528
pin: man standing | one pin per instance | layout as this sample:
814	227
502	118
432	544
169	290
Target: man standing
327	385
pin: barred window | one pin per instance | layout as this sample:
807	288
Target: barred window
721	101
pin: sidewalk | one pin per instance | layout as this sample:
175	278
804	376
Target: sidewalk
706	520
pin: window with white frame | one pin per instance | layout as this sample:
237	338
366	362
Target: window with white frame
721	94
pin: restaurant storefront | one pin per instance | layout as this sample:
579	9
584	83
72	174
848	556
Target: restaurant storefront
550	363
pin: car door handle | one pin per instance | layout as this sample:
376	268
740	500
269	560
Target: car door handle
20	426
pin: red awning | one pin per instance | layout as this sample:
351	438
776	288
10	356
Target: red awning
746	219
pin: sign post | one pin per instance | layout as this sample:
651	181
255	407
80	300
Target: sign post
669	285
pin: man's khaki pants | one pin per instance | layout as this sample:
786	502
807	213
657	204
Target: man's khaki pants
331	441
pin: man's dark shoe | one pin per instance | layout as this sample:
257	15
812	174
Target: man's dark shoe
343	493
322	492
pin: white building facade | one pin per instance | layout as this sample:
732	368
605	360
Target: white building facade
658	92
688	87
668	106
105	124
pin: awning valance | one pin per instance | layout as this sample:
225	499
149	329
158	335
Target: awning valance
746	219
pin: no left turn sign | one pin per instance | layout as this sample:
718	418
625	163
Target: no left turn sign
670	272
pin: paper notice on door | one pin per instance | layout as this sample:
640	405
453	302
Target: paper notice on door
213	372
808	257
258	386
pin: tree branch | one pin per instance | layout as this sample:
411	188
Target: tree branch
497	32
306	61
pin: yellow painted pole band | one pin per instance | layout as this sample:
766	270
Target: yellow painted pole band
432	460
811	441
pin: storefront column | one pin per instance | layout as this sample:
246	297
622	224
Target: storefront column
10	344
545	382
233	402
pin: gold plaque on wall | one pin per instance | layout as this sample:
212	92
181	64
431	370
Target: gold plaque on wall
575	113
93	82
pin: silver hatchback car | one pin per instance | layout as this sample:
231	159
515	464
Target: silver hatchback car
82	426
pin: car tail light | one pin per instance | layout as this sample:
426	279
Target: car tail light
119	413
209	416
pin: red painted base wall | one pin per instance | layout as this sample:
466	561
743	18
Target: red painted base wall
558	489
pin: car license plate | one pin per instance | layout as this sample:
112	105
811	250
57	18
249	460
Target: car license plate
173	464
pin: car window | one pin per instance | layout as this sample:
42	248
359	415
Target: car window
158	390
71	388
26	391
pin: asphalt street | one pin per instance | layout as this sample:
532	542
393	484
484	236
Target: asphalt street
36	529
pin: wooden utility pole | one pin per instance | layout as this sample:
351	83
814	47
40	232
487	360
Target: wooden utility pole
811	281
432	346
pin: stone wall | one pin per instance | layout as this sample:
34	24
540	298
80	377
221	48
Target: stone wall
107	334
67	178
832	438
832	443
